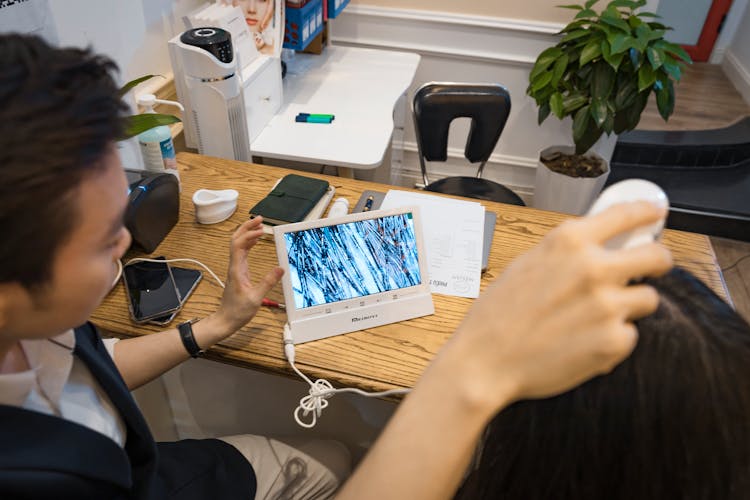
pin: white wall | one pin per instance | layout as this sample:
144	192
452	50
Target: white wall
737	59
133	33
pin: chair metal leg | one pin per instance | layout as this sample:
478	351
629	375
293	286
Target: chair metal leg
481	169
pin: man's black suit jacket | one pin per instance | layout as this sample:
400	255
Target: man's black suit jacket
43	456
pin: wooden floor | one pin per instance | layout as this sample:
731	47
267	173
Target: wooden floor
705	98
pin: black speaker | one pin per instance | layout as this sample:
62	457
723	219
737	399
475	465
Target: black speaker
153	207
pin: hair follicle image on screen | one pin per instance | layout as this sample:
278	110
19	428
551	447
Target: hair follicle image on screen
354	259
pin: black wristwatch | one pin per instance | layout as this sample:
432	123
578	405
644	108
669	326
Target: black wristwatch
188	339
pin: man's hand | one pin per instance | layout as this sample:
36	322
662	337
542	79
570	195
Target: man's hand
242	299
561	313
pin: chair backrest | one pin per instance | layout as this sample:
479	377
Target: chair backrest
436	105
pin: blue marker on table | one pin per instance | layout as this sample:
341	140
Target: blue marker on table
314	118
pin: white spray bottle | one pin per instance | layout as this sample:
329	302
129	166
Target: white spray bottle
156	143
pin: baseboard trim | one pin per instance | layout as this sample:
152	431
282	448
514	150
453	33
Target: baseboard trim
423	16
428	50
496	159
738	74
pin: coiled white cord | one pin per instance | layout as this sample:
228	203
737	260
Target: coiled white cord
321	390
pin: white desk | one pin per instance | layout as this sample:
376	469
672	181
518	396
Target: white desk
359	86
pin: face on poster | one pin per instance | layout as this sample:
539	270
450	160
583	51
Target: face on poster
259	17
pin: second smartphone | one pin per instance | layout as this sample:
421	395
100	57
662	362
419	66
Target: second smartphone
185	280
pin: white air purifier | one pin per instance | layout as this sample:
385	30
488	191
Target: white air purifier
208	83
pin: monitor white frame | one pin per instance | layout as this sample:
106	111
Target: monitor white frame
359	313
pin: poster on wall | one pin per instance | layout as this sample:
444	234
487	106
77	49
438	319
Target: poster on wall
262	19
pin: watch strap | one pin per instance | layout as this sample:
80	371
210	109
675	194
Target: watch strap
188	339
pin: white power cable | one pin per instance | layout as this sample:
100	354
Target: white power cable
162	261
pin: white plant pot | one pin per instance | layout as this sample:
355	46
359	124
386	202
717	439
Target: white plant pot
560	193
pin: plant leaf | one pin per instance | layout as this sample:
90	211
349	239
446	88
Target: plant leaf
556	104
591	51
634	22
573	102
590	3
571	6
615	21
678	51
620	43
635	57
132	83
655	57
541	81
603	80
673	70
575	34
585	13
574	26
626	94
544	61
649	14
656	34
628	118
630	4
590	135
665	100
136	124
580	122
613	60
643	32
646	77
544	110
599	111
559	70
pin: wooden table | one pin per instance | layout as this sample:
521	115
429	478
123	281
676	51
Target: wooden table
386	357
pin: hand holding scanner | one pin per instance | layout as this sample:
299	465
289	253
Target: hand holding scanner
628	191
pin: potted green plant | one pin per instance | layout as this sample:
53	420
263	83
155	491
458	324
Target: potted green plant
600	74
135	124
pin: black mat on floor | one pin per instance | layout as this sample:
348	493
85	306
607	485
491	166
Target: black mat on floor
706	175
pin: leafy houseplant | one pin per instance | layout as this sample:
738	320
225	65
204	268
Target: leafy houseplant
135	124
601	74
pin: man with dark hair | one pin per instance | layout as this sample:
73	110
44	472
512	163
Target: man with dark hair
62	200
68	425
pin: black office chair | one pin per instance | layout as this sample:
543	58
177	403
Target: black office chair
435	106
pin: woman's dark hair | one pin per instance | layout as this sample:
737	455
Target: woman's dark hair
671	422
59	114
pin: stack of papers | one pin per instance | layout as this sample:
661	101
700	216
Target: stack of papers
453	236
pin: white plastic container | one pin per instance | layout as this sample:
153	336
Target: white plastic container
156	143
339	207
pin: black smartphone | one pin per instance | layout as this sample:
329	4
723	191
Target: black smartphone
151	290
186	281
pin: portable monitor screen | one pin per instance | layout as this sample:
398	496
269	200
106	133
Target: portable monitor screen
354	259
353	272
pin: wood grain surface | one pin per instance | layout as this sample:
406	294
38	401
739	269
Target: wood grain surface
386	357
